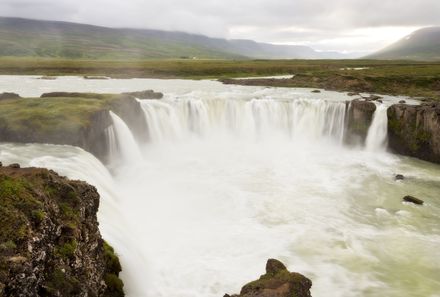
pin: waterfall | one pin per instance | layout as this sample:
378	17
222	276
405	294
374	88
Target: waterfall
298	120
377	136
125	141
113	149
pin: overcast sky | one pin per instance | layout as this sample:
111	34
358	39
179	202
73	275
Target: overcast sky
343	25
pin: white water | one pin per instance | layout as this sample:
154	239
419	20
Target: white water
377	134
125	141
253	119
234	176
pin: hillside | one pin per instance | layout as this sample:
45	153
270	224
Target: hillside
423	45
33	38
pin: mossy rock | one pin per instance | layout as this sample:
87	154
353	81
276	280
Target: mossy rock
277	281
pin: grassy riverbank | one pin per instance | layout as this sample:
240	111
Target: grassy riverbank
421	79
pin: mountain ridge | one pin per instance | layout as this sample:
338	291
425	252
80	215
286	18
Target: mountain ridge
422	45
39	38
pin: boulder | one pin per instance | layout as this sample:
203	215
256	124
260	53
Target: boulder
353	94
6	95
372	98
399	177
414	200
402	102
95	77
48	77
316	91
277	282
14	165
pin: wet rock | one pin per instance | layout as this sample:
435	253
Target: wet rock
399	177
353	94
360	115
372	98
48	77
147	94
414	130
6	95
402	102
277	282
316	91
414	200
95	77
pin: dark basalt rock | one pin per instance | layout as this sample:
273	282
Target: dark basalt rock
372	98
277	282
360	116
402	102
50	244
399	177
147	94
414	130
316	91
414	200
95	77
6	95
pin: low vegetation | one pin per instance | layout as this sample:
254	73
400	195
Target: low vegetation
420	79
51	117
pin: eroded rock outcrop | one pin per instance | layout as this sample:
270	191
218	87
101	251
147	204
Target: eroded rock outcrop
277	282
414	130
78	119
50	244
359	118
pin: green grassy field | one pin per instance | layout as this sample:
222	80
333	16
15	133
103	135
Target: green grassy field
386	77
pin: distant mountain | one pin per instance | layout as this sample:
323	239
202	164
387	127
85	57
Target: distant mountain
423	44
35	38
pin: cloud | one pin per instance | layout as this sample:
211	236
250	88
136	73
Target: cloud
327	25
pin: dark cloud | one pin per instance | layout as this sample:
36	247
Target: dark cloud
325	24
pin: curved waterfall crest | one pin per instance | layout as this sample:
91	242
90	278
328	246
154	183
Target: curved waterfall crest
296	119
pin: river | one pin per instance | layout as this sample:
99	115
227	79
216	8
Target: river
235	175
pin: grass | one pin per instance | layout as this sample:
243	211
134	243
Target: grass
51	117
418	79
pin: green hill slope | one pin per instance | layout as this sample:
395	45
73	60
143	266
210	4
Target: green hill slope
33	38
423	45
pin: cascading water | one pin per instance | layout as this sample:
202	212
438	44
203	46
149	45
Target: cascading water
377	136
236	175
113	149
294	119
125	141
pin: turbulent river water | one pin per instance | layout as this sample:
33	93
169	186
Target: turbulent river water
235	175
